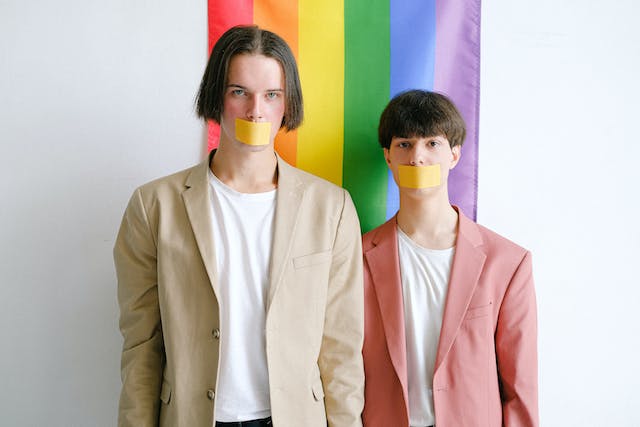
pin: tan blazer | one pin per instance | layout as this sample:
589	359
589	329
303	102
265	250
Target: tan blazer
486	371
167	287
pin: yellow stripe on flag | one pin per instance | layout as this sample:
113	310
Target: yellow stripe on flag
321	64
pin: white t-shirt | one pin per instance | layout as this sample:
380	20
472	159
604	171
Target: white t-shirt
242	233
425	281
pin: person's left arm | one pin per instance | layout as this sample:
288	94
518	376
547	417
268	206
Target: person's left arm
516	349
340	358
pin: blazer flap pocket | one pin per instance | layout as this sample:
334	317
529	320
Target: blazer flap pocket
482	310
312	259
165	393
317	390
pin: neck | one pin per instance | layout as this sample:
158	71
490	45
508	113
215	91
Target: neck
429	221
245	170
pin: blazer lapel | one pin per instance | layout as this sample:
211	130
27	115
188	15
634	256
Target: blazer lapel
288	200
465	272
198	205
383	263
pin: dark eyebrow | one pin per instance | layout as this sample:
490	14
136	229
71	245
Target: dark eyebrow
235	85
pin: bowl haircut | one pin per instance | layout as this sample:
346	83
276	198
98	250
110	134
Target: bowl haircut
420	113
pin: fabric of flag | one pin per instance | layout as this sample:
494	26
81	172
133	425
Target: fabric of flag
353	57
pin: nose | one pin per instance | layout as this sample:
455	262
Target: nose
417	156
254	109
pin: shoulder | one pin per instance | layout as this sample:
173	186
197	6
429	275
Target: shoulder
313	186
498	242
496	247
379	235
169	185
305	178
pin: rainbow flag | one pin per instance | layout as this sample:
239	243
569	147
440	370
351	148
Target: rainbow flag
354	56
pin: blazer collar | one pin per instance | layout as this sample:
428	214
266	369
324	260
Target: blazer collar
384	265
468	262
288	200
197	202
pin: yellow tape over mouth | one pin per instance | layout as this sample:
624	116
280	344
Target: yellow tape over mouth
253	133
419	176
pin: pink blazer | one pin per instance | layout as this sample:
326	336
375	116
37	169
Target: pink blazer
486	365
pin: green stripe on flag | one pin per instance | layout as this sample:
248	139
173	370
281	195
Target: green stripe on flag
366	92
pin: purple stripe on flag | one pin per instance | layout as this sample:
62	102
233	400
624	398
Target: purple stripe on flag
458	76
412	62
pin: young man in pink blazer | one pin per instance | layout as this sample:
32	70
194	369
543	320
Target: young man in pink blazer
450	311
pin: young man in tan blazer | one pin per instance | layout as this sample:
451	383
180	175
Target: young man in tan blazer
450	311
240	279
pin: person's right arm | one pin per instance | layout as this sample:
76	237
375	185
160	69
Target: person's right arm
516	341
143	350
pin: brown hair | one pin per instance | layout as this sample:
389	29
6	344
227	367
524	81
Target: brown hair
421	113
249	40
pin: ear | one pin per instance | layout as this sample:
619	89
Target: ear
455	156
386	156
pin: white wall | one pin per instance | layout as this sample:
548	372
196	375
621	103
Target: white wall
97	97
559	153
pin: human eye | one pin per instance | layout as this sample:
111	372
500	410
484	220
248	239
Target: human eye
433	143
272	94
237	92
404	144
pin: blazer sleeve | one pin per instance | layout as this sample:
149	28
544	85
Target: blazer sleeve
516	349
142	352
340	360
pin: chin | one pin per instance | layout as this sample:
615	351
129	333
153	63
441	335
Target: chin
420	193
247	147
257	148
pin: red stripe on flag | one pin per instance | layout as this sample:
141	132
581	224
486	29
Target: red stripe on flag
222	15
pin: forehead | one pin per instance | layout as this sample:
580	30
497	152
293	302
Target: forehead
250	70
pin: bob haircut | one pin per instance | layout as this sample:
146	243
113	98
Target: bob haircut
249	40
420	113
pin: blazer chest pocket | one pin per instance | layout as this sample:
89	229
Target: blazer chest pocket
311	260
304	294
479	311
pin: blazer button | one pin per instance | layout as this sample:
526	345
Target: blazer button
211	394
216	333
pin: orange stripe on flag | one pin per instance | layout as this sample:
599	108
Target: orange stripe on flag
281	17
